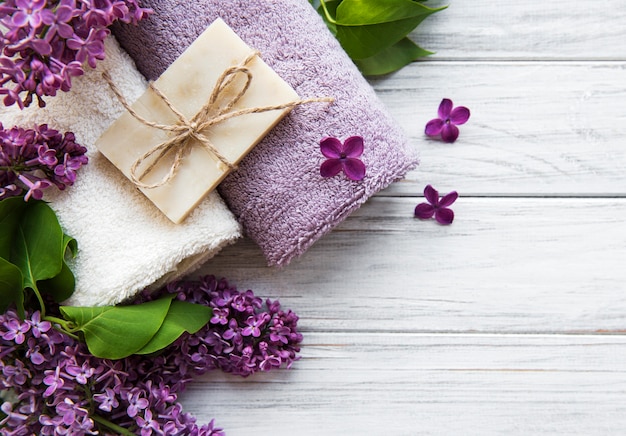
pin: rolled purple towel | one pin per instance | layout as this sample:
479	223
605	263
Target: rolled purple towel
277	193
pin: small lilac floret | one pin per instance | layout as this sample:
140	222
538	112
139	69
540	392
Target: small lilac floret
53	380
436	206
343	157
15	331
107	400
35	187
449	119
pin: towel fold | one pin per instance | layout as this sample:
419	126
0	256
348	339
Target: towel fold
278	194
125	243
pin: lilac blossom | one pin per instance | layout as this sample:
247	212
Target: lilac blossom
69	391
449	119
342	157
31	160
436	206
43	43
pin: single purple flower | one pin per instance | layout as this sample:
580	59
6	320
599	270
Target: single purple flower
220	316
435	206
28	13
135	402
280	333
53	380
80	373
449	119
16	374
15	331
107	400
35	189
91	48
254	324
342	157
147	425
37	325
67	169
33	352
46	157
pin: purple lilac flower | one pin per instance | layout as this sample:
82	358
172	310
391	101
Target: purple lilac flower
45	42
342	157
31	160
62	393
449	119
107	400
435	206
15	331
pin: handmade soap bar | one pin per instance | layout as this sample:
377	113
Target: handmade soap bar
187	84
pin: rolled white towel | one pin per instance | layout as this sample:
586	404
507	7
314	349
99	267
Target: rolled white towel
125	243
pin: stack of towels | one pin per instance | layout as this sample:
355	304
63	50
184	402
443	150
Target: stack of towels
277	195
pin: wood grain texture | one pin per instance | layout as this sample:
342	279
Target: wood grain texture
554	30
510	321
410	384
537	128
504	265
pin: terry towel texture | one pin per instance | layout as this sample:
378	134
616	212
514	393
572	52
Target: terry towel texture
125	243
278	194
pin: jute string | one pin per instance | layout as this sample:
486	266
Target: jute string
184	130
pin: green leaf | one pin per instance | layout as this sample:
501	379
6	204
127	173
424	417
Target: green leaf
11	287
182	317
71	244
115	332
391	58
364	41
363	12
10	213
61	286
329	13
373	32
37	249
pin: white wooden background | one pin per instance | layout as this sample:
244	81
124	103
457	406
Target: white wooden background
513	319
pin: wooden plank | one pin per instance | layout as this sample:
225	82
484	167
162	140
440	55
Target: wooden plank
559	29
408	384
504	265
536	128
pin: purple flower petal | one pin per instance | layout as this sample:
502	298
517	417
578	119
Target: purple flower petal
431	195
459	115
433	127
41	46
424	211
353	146
330	168
449	133
354	168
448	199
444	108
331	148
19	19
444	216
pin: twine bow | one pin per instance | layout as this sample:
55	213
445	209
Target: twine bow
184	130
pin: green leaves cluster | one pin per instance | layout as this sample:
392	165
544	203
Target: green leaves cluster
374	32
32	264
32	254
115	332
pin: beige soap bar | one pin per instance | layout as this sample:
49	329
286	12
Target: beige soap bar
188	83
